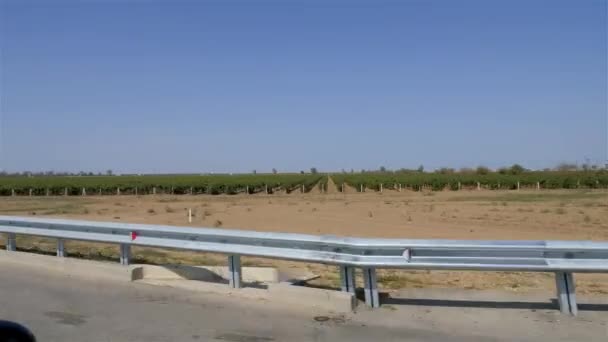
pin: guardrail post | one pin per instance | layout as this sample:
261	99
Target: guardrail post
371	288
11	242
347	279
234	271
566	296
60	248
125	253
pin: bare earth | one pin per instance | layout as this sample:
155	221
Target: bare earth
525	214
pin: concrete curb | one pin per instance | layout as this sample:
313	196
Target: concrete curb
86	269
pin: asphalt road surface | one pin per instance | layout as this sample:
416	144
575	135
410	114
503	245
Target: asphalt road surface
59	308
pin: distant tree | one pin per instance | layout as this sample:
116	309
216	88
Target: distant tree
313	170
503	171
421	168
382	169
109	172
445	170
352	170
466	170
482	170
255	172
274	171
302	172
343	171
516	169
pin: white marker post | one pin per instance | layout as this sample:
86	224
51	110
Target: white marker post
189	215
380	187
478	186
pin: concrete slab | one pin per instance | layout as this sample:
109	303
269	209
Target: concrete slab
205	273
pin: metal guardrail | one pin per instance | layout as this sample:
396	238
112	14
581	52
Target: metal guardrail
561	257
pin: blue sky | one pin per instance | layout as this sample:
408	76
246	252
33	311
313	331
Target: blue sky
232	86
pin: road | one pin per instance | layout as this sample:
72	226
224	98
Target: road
61	308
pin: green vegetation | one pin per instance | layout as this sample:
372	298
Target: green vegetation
167	184
447	179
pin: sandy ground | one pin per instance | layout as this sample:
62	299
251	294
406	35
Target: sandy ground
525	214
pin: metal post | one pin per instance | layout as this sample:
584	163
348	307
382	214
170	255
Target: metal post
125	253
347	279
60	248
566	296
234	271
371	288
11	242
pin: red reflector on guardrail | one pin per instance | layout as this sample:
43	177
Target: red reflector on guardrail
133	235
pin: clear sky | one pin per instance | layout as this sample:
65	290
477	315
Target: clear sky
232	86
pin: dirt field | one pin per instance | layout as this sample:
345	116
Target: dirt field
558	214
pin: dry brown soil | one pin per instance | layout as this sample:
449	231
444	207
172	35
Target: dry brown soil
526	214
